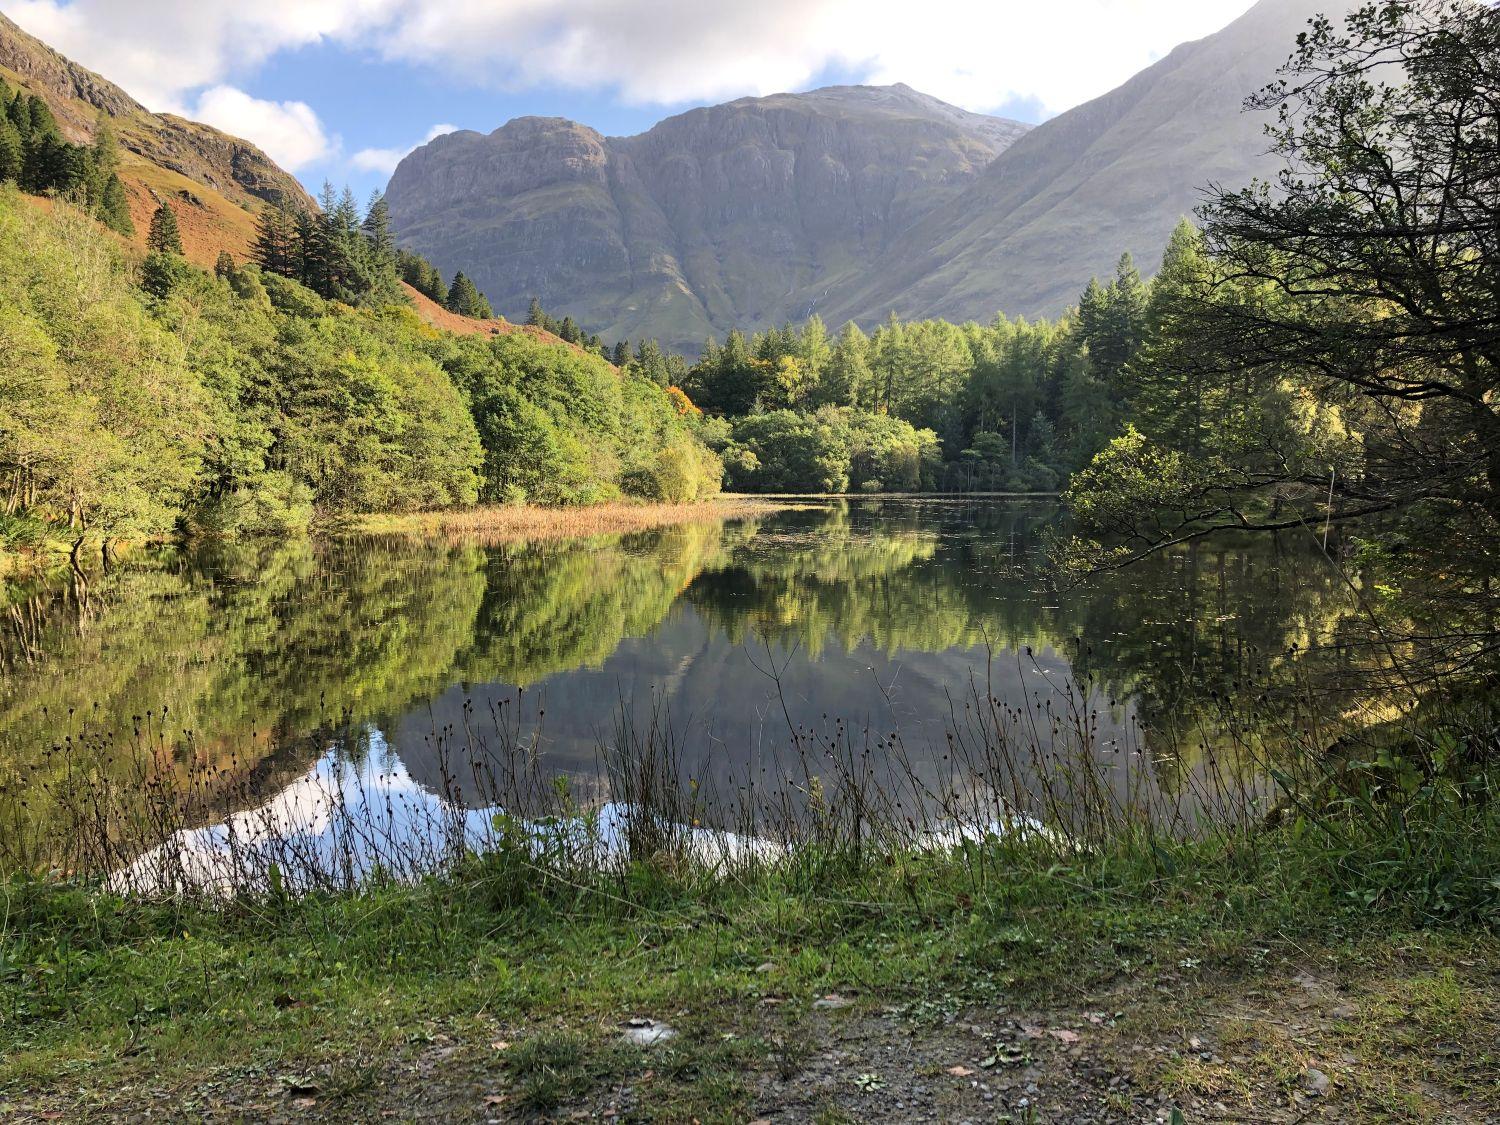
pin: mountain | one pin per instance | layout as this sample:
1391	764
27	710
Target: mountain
744	213
1111	175
852	201
214	181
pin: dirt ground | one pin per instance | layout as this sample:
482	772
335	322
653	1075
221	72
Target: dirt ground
1411	1040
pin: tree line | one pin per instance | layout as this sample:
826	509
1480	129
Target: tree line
34	156
343	254
1011	405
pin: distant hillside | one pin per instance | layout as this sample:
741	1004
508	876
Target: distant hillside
215	182
742	213
1114	174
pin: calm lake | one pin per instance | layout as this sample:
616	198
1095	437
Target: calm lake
275	680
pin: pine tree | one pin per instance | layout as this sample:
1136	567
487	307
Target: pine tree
846	378
102	163
377	228
621	354
164	237
1169	378
275	248
224	268
534	314
568	330
650	362
311	263
12	154
19	115
114	207
466	300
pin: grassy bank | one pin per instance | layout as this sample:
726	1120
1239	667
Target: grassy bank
1035	945
1284	976
506	523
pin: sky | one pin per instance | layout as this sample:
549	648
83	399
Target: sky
339	90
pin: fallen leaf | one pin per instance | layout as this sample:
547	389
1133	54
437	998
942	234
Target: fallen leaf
494	1099
304	1103
500	1045
960	1071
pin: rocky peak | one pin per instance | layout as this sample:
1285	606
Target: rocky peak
721	215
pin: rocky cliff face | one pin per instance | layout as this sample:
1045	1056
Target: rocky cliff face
852	201
234	168
745	213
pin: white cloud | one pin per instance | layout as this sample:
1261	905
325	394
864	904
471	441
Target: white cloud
290	132
977	53
386	159
160	49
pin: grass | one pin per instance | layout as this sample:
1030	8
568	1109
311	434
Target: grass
1338	960
474	986
508	523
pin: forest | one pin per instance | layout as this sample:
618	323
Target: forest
143	398
1009	406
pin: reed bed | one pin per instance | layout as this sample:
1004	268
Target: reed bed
496	524
1026	782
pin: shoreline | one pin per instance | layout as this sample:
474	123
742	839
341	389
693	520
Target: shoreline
500	523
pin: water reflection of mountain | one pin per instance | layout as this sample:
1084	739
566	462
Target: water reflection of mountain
880	611
725	705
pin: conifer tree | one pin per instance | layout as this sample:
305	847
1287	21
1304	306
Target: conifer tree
275	248
114	207
164	237
377	228
12	155
466	300
103	158
224	268
651	362
534	314
1166	380
846	379
311	249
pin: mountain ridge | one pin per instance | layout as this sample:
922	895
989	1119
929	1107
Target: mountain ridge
233	167
721	214
724	216
1112	175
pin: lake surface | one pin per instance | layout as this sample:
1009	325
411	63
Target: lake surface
368	673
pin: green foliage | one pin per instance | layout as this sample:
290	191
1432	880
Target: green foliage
1324	351
114	207
164	236
163	271
561	427
337	252
241	402
421	275
834	449
104	421
34	155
